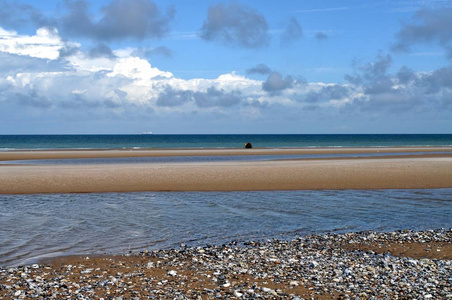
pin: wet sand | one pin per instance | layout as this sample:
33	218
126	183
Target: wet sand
391	172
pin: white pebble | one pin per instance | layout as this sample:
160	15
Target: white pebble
237	294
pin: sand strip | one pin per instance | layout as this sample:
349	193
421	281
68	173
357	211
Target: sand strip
383	173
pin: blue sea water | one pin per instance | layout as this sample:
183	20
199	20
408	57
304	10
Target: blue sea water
43	225
9	142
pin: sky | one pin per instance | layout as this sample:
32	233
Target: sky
210	67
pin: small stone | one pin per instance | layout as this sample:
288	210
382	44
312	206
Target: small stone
172	273
314	264
238	294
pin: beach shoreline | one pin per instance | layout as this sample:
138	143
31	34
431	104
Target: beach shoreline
360	264
396	171
363	264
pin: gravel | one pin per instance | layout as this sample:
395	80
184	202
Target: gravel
308	267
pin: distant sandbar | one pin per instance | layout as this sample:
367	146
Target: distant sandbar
410	172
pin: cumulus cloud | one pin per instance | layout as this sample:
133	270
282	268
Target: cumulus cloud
103	78
371	71
137	68
217	98
212	97
31	97
234	24
69	49
45	44
12	64
101	50
438	81
261	69
276	82
120	81
327	93
404	91
372	77
292	32
428	25
120	19
171	97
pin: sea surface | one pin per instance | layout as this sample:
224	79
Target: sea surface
11	142
45	225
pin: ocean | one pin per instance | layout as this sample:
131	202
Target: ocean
45	225
12	142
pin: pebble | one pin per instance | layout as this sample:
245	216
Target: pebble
317	263
238	294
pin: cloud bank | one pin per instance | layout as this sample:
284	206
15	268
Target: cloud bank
120	80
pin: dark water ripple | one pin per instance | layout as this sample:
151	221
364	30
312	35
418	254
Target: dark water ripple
35	226
210	158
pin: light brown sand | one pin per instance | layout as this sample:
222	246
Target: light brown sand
368	173
430	250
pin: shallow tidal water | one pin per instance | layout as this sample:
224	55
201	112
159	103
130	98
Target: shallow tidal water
45	225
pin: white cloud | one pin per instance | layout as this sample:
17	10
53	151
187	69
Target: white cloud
45	44
123	80
137	68
123	84
83	62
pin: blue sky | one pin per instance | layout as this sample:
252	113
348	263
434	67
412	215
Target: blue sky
120	66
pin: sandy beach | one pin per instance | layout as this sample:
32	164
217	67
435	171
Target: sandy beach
425	170
320	267
412	171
